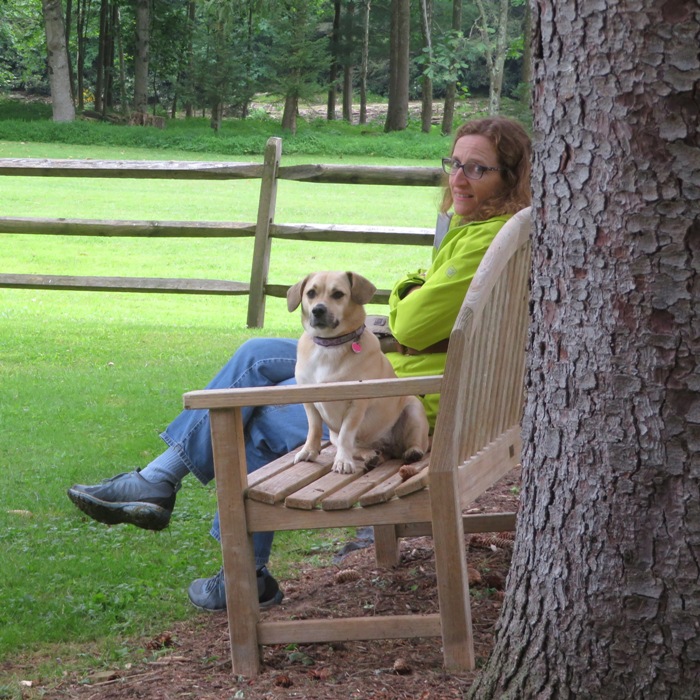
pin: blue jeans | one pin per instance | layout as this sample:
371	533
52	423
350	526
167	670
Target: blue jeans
270	431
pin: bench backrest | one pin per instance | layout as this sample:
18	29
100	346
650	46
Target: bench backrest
482	394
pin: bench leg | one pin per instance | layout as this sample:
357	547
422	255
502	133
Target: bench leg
236	542
386	546
451	570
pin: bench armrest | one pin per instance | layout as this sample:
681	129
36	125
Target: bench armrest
308	393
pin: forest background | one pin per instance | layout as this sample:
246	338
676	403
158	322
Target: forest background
188	57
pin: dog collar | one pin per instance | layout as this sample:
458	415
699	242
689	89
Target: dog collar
353	337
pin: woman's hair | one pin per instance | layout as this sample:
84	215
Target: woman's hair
512	146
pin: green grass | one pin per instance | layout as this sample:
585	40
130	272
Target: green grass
89	380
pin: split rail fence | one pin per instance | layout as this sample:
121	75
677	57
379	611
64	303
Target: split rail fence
263	230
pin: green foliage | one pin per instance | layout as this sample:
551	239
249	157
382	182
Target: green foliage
243	137
450	59
22	44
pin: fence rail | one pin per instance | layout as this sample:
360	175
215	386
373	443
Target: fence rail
263	230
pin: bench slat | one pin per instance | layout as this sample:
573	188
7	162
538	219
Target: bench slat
278	487
348	496
310	496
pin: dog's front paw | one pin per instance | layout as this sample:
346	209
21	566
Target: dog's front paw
306	454
343	466
372	458
412	454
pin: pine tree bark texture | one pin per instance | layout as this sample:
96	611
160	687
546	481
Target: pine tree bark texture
603	598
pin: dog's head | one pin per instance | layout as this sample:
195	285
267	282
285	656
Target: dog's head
331	302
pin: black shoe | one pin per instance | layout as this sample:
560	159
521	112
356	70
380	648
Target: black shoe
210	593
127	498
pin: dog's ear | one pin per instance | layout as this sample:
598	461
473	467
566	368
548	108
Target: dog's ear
361	289
294	294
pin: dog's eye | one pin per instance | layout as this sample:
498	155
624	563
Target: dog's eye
337	295
311	294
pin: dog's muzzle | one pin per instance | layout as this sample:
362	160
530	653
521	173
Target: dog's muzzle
320	318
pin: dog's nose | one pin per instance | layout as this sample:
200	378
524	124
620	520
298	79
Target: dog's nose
319	310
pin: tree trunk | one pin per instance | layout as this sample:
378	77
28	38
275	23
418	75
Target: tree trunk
81	21
108	99
101	53
57	56
348	62
141	56
217	115
191	16
69	59
365	61
448	113
426	24
493	27
122	67
499	59
289	116
603	598
333	73
397	113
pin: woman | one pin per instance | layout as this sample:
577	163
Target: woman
489	181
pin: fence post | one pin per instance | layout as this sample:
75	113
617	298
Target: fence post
261	251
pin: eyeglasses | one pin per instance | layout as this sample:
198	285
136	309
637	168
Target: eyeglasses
473	171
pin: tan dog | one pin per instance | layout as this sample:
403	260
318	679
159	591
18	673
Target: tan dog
336	346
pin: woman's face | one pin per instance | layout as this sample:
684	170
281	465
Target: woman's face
468	195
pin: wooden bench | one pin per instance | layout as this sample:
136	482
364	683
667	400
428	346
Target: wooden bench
476	442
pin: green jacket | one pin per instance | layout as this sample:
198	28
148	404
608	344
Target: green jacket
427	315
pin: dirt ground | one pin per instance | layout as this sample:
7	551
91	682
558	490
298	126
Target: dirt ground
194	661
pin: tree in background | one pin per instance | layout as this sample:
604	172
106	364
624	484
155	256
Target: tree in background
453	62
57	56
142	55
397	112
348	59
335	61
493	27
215	54
364	63
497	39
297	53
426	24
603	597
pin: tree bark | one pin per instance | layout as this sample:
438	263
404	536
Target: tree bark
448	113
603	598
495	37
397	113
69	58
141	58
57	56
81	22
289	115
348	68
101	53
426	7
333	73
365	61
